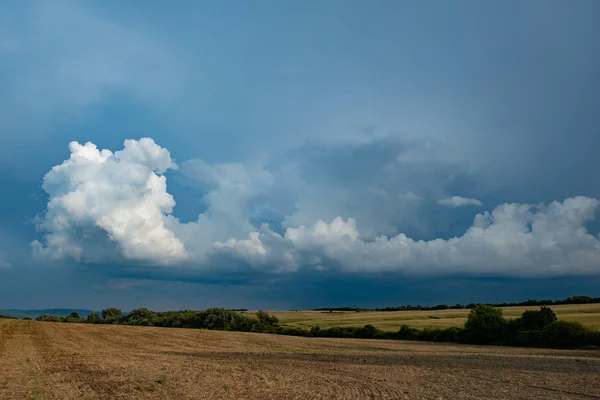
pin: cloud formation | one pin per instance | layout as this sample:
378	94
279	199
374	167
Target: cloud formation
122	195
385	183
513	240
99	200
457	201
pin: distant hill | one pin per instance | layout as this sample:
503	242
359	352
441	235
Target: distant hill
62	312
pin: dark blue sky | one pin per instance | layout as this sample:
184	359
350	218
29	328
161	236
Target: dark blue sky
298	154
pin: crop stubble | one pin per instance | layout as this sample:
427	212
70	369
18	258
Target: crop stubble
74	361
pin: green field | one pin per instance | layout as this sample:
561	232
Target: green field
587	314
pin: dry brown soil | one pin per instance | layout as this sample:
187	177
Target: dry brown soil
40	360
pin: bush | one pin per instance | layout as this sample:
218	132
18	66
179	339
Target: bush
93	318
265	319
566	334
452	334
178	319
334	332
427	335
142	317
49	318
315	331
408	333
485	325
366	332
112	316
293	332
222	319
385	335
73	317
536	320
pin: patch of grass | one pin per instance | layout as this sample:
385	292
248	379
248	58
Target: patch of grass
226	388
587	314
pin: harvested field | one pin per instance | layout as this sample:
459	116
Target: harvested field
587	314
73	361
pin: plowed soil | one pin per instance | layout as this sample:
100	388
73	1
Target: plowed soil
74	361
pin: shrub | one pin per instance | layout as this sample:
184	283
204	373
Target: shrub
427	335
293	331
315	331
49	318
142	317
536	320
265	319
334	332
93	318
407	333
366	332
527	338
452	334
564	334
385	335
222	319
73	317
178	319
485	324
112	316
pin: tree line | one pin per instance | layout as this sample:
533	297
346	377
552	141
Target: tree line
528	303
485	325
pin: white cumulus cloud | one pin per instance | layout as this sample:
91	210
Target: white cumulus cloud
514	239
121	194
457	201
106	206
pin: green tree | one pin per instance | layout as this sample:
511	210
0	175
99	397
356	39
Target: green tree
485	324
566	334
49	318
407	333
112	316
73	317
547	316
366	332
537	319
93	318
221	319
315	331
142	316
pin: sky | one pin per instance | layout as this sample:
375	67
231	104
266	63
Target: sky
298	154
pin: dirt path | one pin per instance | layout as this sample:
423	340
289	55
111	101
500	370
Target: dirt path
73	361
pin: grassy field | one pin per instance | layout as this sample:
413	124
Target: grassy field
587	314
42	360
